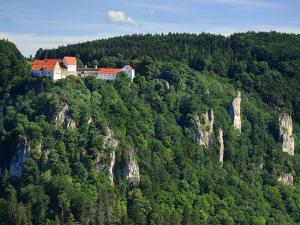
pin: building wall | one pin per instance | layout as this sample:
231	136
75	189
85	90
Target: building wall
57	73
107	76
42	73
70	68
129	71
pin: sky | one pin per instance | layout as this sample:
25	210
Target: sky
34	24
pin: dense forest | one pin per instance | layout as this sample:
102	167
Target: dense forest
63	136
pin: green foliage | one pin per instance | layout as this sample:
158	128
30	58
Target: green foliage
65	178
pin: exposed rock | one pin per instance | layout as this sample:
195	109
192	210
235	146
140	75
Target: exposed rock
111	167
131	170
286	133
63	118
204	129
70	124
90	121
166	84
21	155
109	144
286	179
221	145
235	112
18	160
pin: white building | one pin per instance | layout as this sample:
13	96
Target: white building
54	68
112	73
70	63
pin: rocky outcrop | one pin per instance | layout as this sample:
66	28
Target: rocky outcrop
131	170
286	133
221	146
235	112
63	118
204	128
19	158
21	155
109	145
166	84
286	179
111	167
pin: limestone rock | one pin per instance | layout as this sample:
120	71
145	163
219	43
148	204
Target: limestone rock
286	179
109	145
131	170
63	118
19	158
111	167
286	133
166	84
235	112
204	129
221	146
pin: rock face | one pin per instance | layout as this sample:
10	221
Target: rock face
131	170
221	146
286	133
286	179
166	84
204	129
109	145
18	160
111	167
235	112
63	118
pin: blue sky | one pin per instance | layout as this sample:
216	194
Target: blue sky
32	24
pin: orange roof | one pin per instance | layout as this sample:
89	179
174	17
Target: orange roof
104	71
70	60
45	64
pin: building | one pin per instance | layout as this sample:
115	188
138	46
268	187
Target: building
61	68
70	63
112	73
54	68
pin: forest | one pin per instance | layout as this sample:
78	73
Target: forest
58	133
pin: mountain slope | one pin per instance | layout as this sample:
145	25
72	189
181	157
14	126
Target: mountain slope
113	152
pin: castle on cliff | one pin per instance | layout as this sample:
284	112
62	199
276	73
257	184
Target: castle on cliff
61	68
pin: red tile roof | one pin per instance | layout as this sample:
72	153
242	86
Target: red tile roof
70	60
105	71
45	64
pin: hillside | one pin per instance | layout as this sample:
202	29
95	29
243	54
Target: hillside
88	151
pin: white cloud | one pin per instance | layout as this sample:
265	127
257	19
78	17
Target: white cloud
120	17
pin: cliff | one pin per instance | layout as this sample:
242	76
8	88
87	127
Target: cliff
235	112
286	133
204	128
